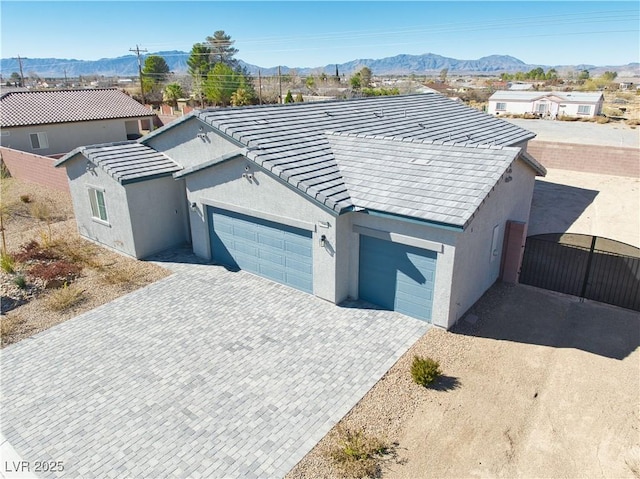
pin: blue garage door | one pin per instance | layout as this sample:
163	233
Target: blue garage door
276	251
397	277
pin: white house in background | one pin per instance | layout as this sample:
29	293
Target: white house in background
546	104
52	123
414	203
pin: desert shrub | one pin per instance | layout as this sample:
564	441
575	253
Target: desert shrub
60	271
9	325
633	122
7	263
25	198
79	251
64	298
602	120
357	454
40	211
34	251
20	281
568	118
425	370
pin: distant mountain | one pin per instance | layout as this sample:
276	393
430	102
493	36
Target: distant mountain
428	63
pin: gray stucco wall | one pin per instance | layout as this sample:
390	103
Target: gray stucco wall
266	197
64	137
117	234
476	268
158	212
183	145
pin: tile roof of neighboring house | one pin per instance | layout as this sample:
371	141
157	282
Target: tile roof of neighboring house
570	97
126	162
64	106
419	179
290	141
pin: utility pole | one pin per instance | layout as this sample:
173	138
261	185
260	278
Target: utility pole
21	74
137	51
259	87
280	84
65	78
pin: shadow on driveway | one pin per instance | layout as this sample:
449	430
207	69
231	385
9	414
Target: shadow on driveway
530	315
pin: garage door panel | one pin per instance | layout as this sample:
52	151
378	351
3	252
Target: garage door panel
397	276
275	251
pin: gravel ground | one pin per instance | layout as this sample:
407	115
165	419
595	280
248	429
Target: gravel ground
26	311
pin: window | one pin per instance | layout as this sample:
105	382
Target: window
501	106
98	206
584	110
542	108
39	141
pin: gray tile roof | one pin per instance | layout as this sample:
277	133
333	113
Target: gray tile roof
290	140
126	162
419	178
569	97
64	106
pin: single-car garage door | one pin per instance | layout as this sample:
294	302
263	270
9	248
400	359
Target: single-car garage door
397	276
275	251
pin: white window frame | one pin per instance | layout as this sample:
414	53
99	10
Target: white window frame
98	205
542	108
41	138
501	106
584	109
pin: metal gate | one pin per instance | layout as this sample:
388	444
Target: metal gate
587	266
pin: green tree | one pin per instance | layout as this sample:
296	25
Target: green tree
172	93
241	97
289	97
583	75
310	82
222	81
222	50
609	76
356	81
198	62
154	73
365	77
15	79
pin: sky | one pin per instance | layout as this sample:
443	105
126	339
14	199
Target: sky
313	34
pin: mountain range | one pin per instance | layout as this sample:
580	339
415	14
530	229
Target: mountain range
425	64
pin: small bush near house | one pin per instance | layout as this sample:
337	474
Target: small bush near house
7	263
425	370
33	251
64	298
56	273
357	454
41	211
20	282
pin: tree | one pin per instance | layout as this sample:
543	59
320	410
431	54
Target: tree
289	97
222	81
365	77
443	75
609	76
299	98
173	92
154	73
356	81
198	62
583	75
241	97
222	50
15	79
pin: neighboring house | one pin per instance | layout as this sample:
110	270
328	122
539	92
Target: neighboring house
52	123
546	104
415	203
520	86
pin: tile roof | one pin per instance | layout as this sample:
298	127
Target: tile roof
126	162
290	141
22	108
419	178
570	97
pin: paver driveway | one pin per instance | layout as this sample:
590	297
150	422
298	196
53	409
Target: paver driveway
207	373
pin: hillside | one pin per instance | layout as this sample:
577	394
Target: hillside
428	63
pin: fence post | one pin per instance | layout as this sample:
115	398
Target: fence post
587	273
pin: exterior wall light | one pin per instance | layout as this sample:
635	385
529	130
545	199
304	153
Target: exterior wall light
323	241
193	206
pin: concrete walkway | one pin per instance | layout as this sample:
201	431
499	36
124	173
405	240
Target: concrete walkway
206	373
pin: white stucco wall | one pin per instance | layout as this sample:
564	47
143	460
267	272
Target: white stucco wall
117	234
64	137
158	212
476	268
444	243
554	106
513	107
183	145
265	197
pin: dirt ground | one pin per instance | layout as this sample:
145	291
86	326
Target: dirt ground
547	387
586	203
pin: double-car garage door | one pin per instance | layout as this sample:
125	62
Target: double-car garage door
275	251
393	275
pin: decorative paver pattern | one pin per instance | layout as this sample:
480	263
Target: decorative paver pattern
207	373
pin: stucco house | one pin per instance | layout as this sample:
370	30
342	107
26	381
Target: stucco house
415	203
54	122
546	104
